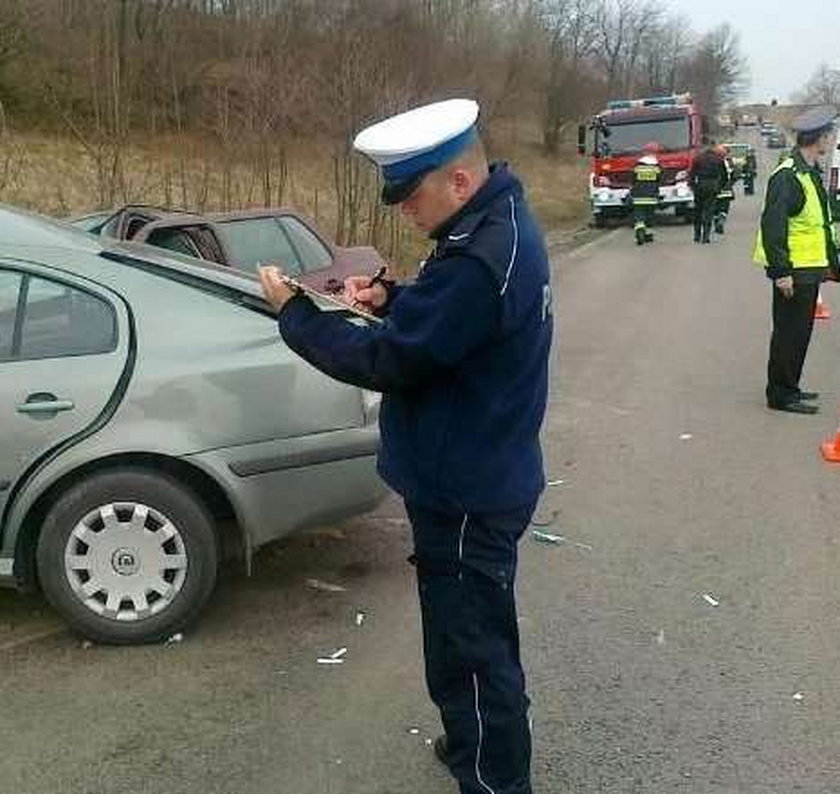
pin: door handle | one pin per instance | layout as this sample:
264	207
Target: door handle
44	404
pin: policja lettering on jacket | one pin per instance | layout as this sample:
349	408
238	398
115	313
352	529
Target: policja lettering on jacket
462	362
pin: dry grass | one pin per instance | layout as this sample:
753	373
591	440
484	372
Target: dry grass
61	177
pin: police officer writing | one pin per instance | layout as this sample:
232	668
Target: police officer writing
462	361
706	177
797	247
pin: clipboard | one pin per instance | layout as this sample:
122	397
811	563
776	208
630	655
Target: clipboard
314	293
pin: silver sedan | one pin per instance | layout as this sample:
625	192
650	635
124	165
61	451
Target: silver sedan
148	407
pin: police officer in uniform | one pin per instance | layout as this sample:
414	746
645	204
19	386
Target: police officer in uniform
797	246
726	193
644	193
462	362
706	176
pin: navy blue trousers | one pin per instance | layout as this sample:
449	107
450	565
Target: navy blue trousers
466	569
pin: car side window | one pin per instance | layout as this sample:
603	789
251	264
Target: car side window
313	253
259	241
174	240
9	294
59	320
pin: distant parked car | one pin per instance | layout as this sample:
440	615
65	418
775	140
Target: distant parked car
738	153
244	239
152	415
777	140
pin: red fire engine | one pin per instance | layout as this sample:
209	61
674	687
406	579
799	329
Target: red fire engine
617	136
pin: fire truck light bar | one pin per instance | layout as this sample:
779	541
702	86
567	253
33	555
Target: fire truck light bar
657	101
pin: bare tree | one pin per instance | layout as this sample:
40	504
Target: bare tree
572	31
716	72
823	88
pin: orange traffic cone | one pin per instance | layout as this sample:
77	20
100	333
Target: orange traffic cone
831	449
821	311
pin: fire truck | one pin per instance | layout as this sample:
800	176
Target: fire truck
615	139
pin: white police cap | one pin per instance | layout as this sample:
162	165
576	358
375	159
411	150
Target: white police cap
815	120
408	146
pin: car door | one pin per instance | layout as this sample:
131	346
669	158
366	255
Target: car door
63	349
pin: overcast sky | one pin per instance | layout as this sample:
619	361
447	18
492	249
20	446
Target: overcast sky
784	41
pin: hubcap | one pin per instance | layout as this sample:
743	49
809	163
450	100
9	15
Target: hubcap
125	561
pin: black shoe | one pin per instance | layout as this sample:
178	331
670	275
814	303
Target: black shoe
808	395
794	407
442	751
696	238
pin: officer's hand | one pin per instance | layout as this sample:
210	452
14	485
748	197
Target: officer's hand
358	292
785	286
276	291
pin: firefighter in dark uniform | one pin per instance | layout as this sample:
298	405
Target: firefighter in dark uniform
644	193
726	193
462	362
750	172
706	178
797	246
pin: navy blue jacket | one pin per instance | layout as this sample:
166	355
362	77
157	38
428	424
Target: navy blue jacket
461	359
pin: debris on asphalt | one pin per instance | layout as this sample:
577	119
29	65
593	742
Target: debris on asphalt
86	645
175	639
317	584
553	483
686	437
660	638
360	618
799	697
428	742
557	540
339	653
545	522
711	600
414	731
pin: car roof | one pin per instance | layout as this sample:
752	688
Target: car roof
254	212
28	235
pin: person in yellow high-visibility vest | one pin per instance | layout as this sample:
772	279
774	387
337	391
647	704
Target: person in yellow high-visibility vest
797	246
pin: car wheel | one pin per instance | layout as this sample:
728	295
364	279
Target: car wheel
128	556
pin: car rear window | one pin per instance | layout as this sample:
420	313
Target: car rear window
313	253
259	241
59	320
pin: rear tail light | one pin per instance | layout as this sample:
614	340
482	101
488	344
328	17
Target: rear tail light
834	180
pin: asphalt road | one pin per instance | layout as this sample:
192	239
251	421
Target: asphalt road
681	490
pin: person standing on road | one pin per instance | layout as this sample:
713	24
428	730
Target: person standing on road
644	193
750	172
462	361
797	246
706	176
726	193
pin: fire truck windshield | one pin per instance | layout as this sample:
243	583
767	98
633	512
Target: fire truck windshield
671	134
